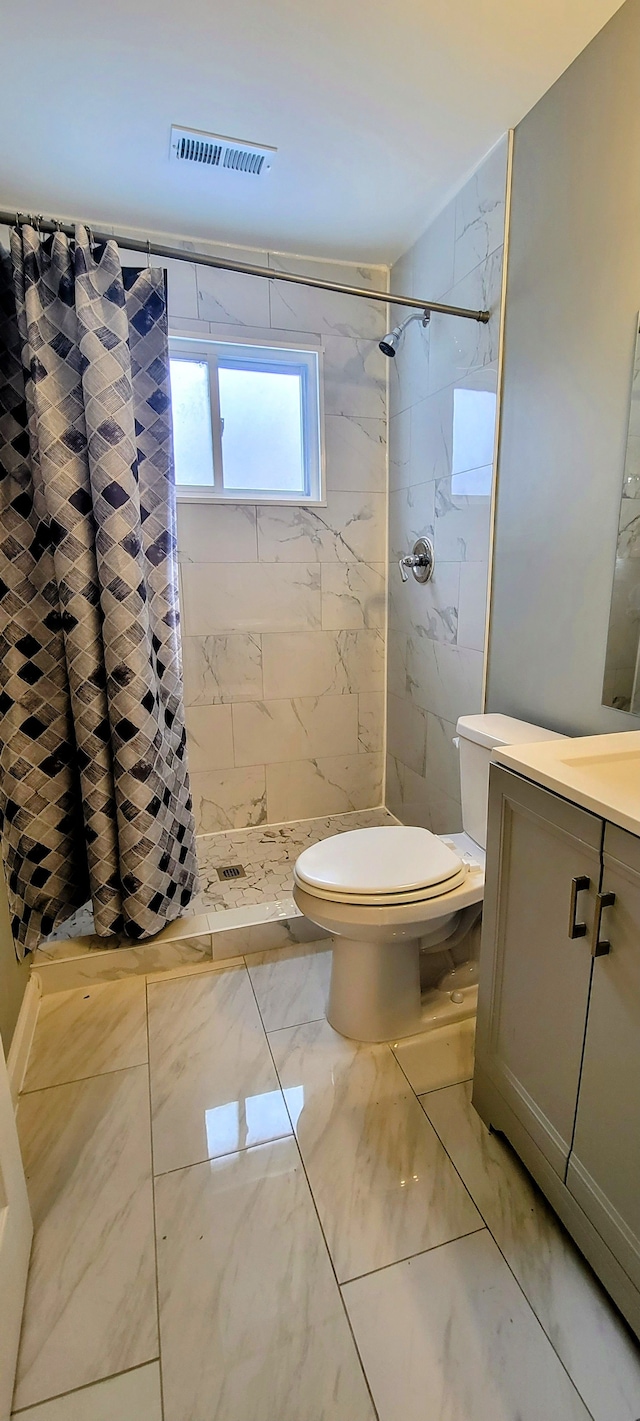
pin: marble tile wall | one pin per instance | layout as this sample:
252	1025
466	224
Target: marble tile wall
441	426
283	609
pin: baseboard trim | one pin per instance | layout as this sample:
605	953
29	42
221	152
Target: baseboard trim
23	1036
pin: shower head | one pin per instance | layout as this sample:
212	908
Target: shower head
389	344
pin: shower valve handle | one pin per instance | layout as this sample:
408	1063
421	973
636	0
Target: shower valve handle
420	561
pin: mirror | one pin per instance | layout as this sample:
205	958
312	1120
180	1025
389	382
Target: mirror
621	688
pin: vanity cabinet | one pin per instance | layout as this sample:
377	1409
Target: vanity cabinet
558	1043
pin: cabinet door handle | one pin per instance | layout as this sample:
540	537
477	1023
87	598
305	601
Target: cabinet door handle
600	947
578	885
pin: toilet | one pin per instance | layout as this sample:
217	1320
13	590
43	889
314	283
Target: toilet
384	894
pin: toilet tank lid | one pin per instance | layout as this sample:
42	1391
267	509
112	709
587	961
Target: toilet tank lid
493	730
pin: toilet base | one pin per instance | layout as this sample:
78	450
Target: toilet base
375	989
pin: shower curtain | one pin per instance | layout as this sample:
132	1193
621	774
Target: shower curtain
94	789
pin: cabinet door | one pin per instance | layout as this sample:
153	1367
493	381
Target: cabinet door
604	1169
534	975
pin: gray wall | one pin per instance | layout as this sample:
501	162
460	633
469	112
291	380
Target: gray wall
573	293
14	975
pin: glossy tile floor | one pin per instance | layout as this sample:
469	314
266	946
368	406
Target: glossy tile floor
241	1216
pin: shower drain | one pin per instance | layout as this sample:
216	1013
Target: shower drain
234	870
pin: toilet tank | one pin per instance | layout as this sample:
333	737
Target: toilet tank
478	735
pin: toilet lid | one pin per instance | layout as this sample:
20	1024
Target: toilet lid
386	863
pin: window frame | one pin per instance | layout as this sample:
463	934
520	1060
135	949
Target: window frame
218	349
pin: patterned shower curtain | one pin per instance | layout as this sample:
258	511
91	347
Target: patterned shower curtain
94	789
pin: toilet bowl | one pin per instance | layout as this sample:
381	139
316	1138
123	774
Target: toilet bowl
385	894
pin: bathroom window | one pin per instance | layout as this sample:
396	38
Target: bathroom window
246	421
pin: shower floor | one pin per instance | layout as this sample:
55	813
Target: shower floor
266	853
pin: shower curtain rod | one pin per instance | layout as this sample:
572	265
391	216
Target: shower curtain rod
157	249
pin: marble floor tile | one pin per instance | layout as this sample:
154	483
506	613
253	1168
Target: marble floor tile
291	986
448	1336
87	1031
90	1308
213	1086
251	1320
383	1186
438	1058
596	1348
132	1396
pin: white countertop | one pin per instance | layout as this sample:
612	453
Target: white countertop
599	772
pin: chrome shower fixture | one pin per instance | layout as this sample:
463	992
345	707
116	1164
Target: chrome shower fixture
390	343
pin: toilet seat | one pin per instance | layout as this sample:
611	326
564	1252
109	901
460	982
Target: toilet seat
380	867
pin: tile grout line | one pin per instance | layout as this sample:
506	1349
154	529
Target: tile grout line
421	1253
504	1257
86	1386
315	1209
153	1197
79	1080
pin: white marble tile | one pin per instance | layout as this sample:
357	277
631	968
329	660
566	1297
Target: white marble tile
209	738
213	1086
302	789
302	308
432	256
251	1320
384	1188
356	453
353	595
432	437
222	668
306	727
407	732
590	1338
351	528
426	610
444	679
132	1396
399	447
438	1058
462	525
90	1308
450	1336
445	812
86	1031
195	969
480	212
229	297
408	370
182	295
397	662
322	663
217	532
459	347
355	377
473	604
291	985
411	516
265	597
93	964
229	799
443	758
371	710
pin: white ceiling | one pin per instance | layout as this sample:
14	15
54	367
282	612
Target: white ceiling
379	110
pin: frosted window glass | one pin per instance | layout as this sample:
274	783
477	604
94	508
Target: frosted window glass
262	431
474	420
191	416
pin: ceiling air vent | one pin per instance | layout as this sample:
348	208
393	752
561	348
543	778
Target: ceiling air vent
211	150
